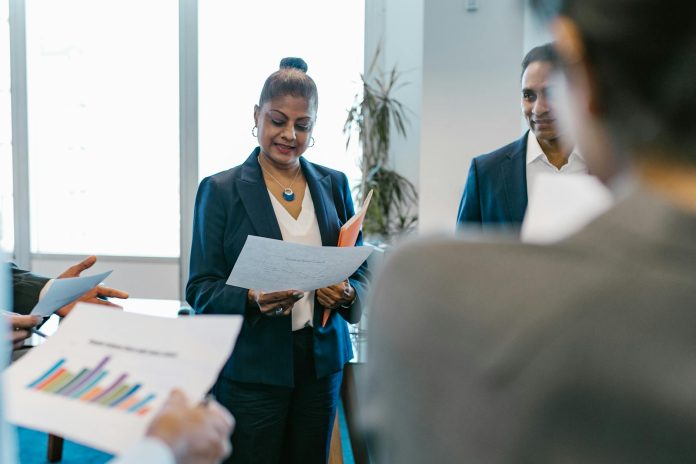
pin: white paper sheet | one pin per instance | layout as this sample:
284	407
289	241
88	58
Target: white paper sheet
64	291
560	205
156	353
274	265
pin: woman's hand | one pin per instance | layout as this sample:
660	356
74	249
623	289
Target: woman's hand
341	294
275	303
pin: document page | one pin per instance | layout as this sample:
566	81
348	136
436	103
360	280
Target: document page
64	291
561	205
273	265
104	373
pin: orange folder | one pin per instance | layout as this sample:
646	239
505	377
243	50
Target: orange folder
349	235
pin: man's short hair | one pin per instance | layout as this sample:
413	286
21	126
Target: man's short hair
544	52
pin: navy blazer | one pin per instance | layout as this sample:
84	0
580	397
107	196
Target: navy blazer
495	196
234	204
26	287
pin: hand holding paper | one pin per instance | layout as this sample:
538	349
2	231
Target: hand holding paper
347	237
334	296
275	303
21	327
194	433
97	295
66	291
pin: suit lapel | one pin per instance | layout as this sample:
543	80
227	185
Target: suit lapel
320	187
254	195
514	175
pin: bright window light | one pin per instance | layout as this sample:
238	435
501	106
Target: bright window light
240	44
103	115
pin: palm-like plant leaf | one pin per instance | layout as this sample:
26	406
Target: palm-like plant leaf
372	116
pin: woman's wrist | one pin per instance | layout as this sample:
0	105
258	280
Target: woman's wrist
252	299
349	297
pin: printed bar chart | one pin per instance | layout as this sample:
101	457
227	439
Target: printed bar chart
93	385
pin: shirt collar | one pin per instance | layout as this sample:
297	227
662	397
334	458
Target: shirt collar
535	152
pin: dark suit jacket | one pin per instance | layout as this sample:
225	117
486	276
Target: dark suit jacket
495	195
26	287
234	204
583	351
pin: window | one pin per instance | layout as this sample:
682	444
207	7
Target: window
6	196
239	48
103	123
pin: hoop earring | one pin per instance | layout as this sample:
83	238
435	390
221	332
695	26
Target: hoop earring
255	131
311	142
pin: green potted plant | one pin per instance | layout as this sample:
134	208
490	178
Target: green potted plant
391	211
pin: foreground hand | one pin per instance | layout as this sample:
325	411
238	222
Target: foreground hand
95	296
20	327
275	303
336	295
195	434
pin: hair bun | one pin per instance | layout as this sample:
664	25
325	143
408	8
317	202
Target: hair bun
295	63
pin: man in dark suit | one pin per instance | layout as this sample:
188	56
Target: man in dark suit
579	352
495	196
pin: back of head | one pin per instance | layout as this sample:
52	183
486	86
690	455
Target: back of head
290	79
643	57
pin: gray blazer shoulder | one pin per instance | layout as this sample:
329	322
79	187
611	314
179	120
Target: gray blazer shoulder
502	352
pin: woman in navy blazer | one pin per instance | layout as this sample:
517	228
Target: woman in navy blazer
281	385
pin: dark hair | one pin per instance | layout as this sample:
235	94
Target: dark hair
546	53
290	79
643	57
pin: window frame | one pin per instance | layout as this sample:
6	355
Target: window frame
188	142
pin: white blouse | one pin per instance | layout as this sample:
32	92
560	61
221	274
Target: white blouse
304	230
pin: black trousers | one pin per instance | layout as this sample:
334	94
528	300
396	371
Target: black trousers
276	424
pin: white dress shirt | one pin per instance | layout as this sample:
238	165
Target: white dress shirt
304	230
538	163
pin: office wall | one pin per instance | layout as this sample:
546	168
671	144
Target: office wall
535	32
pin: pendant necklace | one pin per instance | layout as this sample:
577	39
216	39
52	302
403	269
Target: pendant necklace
288	193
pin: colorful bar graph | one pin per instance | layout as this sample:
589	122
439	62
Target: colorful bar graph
75	379
141	404
47	374
94	385
89	385
125	396
88	377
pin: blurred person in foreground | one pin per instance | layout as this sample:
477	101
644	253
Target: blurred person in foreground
597	367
